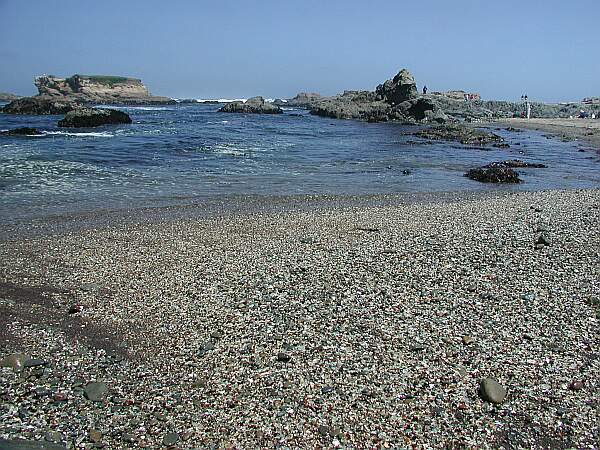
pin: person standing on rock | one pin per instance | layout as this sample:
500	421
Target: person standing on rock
424	90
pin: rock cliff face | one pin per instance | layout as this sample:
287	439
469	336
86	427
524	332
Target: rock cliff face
97	89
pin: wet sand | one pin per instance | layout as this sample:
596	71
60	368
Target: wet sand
587	130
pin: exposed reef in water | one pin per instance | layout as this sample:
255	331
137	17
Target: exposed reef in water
254	105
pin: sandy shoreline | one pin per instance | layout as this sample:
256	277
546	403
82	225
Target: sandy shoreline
338	326
587	130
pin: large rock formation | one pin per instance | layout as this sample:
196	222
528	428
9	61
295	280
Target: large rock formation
39	105
97	89
254	105
396	99
93	117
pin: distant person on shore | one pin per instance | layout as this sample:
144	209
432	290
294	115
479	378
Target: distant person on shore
424	90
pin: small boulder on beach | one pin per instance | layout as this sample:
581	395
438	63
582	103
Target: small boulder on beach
95	391
492	391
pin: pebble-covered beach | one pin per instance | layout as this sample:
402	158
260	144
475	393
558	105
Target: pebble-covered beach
468	323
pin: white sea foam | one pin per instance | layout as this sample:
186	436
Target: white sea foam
90	134
220	100
135	108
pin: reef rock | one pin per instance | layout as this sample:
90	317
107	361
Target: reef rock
466	135
39	105
93	117
94	89
493	175
254	105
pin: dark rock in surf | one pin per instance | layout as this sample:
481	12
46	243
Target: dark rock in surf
93	117
23	131
493	175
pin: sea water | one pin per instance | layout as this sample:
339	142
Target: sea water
179	154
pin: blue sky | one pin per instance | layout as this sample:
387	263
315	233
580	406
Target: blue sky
222	48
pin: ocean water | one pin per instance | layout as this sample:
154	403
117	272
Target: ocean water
180	154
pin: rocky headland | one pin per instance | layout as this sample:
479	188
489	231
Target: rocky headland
398	99
254	105
61	95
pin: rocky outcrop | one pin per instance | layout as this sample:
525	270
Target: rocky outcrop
39	106
94	89
360	105
494	175
254	105
304	99
93	117
396	100
466	135
23	131
6	97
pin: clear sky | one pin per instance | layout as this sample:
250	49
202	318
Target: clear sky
549	49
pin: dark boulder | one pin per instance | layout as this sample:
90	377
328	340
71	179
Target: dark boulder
23	131
93	117
38	106
399	89
254	105
493	175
